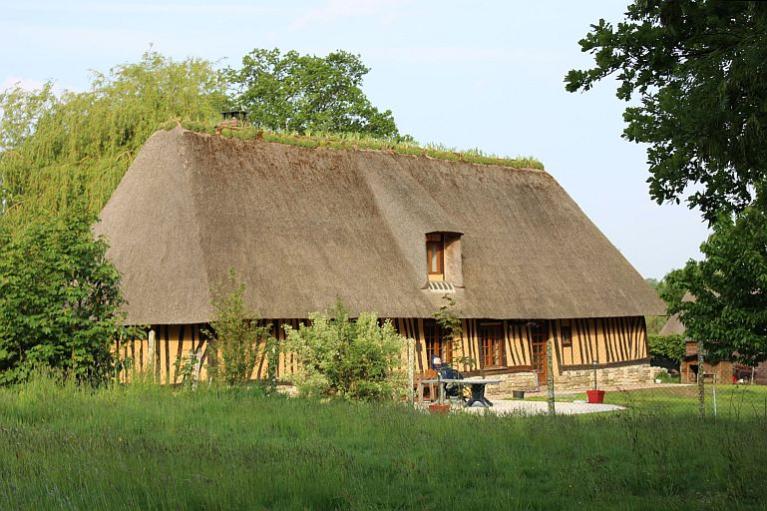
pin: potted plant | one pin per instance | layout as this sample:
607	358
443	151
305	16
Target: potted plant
595	396
439	408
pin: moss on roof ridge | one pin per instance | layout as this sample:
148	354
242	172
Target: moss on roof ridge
356	141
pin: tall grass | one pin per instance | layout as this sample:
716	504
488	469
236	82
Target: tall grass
144	447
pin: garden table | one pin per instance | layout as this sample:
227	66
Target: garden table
477	386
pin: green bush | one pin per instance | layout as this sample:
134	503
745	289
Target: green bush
238	338
666	346
351	359
59	300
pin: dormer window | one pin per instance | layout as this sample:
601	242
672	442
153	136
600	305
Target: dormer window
443	261
435	256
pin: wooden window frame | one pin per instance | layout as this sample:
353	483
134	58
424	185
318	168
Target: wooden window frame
539	331
493	349
434	337
435	242
566	333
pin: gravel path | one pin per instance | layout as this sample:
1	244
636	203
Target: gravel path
509	407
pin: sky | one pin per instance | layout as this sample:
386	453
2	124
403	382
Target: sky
467	74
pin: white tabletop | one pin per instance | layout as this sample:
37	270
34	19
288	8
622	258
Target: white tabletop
468	381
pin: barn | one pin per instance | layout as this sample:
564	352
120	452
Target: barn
724	371
383	232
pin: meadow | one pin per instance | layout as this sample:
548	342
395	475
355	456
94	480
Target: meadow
145	447
722	402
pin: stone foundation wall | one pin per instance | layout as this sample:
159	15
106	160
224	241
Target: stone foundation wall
512	381
613	377
608	377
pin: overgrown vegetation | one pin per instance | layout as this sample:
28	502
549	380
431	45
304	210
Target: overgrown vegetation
361	141
218	448
59	300
239	340
354	359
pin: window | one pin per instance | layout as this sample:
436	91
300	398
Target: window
436	343
539	333
491	336
435	254
567	336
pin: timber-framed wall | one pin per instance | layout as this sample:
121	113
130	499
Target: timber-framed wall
579	344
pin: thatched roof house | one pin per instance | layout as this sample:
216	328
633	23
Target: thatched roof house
303	227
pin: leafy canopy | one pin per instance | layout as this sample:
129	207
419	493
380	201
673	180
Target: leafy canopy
729	311
666	346
57	150
299	93
59	300
698	68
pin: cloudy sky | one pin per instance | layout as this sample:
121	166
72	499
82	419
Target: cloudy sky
486	74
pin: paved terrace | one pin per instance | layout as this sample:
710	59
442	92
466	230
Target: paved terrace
509	407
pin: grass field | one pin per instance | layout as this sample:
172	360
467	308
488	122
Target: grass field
726	402
153	448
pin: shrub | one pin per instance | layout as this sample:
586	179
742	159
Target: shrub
666	346
351	359
59	300
238	336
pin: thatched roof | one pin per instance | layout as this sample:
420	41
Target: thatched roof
673	326
303	227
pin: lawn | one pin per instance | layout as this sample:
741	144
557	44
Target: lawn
155	448
724	402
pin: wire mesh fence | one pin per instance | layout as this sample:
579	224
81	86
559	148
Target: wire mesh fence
710	394
708	399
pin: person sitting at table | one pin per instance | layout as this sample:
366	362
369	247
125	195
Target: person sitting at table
452	389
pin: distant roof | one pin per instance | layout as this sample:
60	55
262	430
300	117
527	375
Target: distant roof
305	226
673	326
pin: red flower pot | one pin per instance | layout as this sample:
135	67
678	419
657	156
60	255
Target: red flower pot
439	408
596	396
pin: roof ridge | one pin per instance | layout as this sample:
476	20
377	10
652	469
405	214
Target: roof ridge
338	142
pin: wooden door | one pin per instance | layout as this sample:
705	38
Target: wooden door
539	336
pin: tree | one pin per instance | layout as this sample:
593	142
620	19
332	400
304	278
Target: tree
451	326
700	71
59	301
57	148
728	314
295	92
345	358
239	340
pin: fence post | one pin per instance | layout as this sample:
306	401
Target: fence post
150	355
550	373
411	370
701	388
